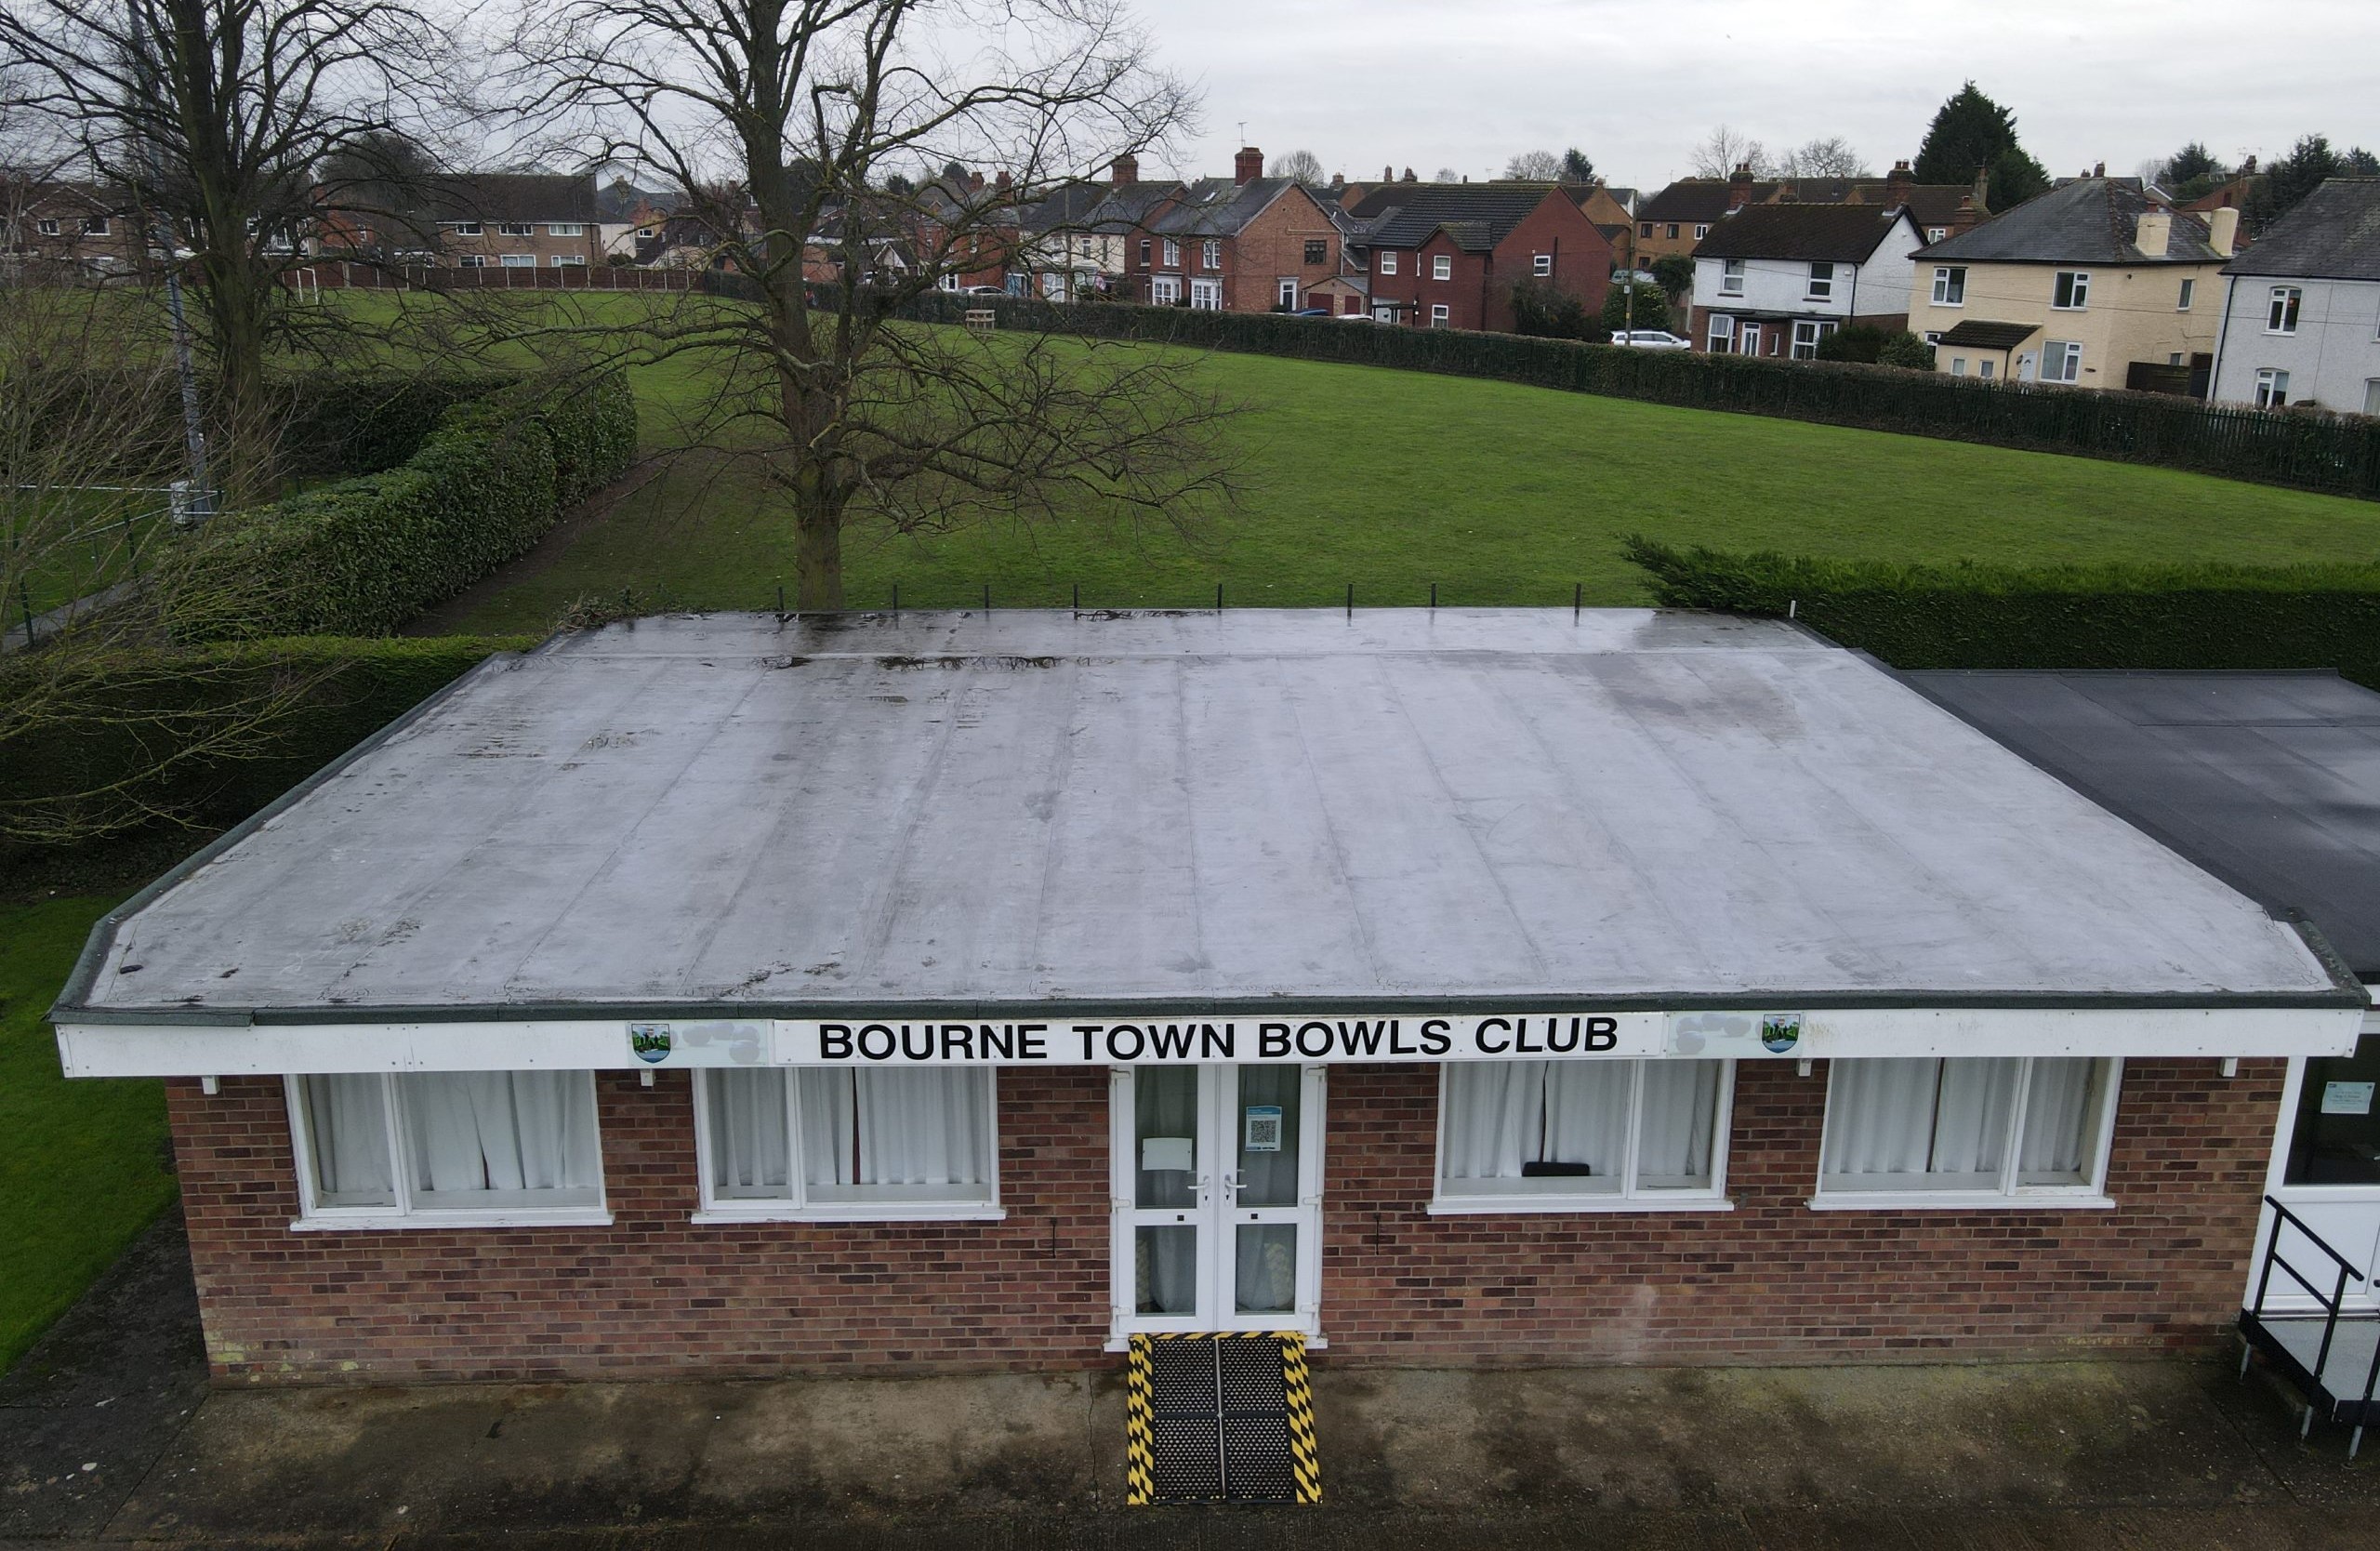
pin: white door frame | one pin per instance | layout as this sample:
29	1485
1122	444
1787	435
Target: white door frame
2348	1216
1748	332
1216	1212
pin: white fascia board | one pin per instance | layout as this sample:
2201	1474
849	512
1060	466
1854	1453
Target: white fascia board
114	1049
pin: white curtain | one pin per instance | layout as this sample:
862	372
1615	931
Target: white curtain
486	1133
1681	1106
347	1122
2058	1112
1585	1109
905	1128
752	1148
1504	1115
1918	1117
1490	1106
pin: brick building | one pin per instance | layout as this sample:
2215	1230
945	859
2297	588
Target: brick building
1449	255
723	995
1672	220
527	220
1247	243
73	224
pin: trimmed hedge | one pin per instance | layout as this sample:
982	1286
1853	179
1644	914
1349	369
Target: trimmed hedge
2180	616
143	709
2337	454
363	556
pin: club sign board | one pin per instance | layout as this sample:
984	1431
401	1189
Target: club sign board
1081	1041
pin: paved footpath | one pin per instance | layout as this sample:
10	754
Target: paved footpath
109	1436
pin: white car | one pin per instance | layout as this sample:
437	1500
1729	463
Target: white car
1650	338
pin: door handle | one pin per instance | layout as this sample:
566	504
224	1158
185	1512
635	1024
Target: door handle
1231	1186
1204	1187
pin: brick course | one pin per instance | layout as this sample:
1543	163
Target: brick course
655	1295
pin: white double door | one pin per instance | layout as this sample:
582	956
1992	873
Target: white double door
1217	1197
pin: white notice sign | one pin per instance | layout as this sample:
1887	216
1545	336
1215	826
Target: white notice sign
2347	1098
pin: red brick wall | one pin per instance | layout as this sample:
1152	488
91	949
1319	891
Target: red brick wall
655	1295
1272	248
1583	259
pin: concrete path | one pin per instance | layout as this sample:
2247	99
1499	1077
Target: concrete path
2047	1455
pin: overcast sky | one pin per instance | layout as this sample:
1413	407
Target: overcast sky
1464	84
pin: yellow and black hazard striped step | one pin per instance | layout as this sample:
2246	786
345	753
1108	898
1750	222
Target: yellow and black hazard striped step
1219	1418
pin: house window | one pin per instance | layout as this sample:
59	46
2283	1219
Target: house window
2281	315
1210	254
1440	315
1933	336
1821	283
570	261
2371	396
515	229
1723	334
1082	247
1806	334
1287	296
566	229
2272	389
1581	1135
1207	295
1145	253
1731	277
2061	361
464	227
1317	250
1541	264
948	282
1387	262
1164	290
473	261
834	1142
1907	1132
1935	233
1958	365
2070	292
47	226
1951	286
1645	230
518	260
1701	230
2175	358
1441	266
1984	367
95	226
441	1148
2189	294
1672	230
1173	254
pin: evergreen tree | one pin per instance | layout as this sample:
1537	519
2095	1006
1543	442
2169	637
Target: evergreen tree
2192	172
2292	177
1576	167
1970	131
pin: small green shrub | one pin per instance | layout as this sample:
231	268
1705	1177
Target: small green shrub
1906	351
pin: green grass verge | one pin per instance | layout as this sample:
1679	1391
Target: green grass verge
1500	493
82	1164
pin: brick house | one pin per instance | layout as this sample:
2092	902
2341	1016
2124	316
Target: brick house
1449	255
1777	279
67	222
1247	243
590	1062
1669	223
526	220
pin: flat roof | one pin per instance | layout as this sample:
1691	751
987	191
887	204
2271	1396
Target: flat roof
1290	808
2270	782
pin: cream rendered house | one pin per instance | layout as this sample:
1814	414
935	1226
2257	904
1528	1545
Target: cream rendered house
2077	286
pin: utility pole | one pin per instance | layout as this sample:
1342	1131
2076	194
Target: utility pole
1630	329
201	501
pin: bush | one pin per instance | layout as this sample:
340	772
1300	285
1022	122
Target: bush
2135	616
1906	351
363	556
1861	342
1651	307
1545	310
2333	453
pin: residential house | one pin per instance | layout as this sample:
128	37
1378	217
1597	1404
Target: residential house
1449	255
1060	254
66	222
1674	220
2301	310
513	220
1777	279
2081	285
1246	244
630	219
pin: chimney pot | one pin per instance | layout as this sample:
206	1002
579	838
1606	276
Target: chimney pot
974	181
1739	186
1337	180
2098	169
1409	177
2248	168
1004	179
1249	166
1124	170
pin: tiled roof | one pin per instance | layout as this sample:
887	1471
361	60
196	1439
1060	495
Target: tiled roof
1845	233
1218	208
1706	199
2090	220
1975	334
1403	215
2333	233
513	196
1129	205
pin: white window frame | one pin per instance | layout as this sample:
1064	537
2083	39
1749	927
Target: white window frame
1542	265
1935	233
473	261
1950	285
1206	295
1958	365
570	261
2070	357
795	1208
2091	1195
2075	285
1731	277
1701	230
462	228
1285	293
1441	315
1721	340
1984	366
2371	395
1442	266
2282	308
1801	349
48	226
516	228
2272	388
1631	1197
1386	259
2189	295
1821	285
314	1217
516	260
566	229
1173	254
1164	290
1210	254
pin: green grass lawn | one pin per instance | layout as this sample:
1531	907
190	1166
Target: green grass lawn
82	1164
1502	494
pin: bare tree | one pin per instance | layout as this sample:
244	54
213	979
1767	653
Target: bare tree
775	120
1302	166
1724	150
1534	166
229	126
1829	156
1448	175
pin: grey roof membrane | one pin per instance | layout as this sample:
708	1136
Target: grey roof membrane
2269	781
2090	220
1437	806
2333	233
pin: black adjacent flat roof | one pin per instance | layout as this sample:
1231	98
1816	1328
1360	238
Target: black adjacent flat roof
2270	782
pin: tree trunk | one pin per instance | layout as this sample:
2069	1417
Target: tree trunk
818	552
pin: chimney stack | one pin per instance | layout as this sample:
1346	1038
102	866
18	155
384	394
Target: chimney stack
1337	180
1249	166
1739	186
2155	233
2248	168
2099	169
1968	214
1124	170
1981	193
1897	184
1408	177
974	182
1004	180
2223	231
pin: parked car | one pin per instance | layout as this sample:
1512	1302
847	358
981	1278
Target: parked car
1650	338
1314	312
985	291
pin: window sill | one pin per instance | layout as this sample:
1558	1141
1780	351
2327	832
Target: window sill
1958	1200
1557	1205
890	1212
437	1221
